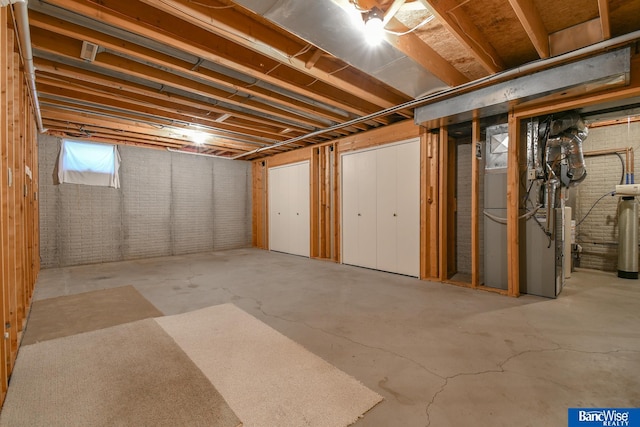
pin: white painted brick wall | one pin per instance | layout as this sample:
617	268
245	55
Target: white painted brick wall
232	214
192	204
146	182
48	198
168	204
598	234
463	223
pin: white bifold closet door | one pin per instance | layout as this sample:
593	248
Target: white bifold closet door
359	209
381	208
289	224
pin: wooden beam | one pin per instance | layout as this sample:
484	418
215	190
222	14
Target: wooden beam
108	104
245	32
314	194
156	107
19	182
454	19
513	208
326	202
311	62
416	49
433	180
258	205
443	211
198	42
102	83
392	10
385	134
424	204
605	18
6	47
66	47
38	20
531	20
137	127
475	203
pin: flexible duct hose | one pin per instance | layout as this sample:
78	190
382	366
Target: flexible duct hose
565	141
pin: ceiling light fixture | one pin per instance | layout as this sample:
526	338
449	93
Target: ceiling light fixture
196	135
373	26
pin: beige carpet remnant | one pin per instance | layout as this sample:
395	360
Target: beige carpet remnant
127	375
89	311
267	379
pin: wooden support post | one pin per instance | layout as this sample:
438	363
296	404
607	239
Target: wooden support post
5	50
314	209
18	168
19	215
12	81
443	192
425	202
325	202
433	150
475	204
259	205
337	204
513	188
451	207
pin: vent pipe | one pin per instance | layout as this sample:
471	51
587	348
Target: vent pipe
24	36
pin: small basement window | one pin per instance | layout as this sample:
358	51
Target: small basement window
89	164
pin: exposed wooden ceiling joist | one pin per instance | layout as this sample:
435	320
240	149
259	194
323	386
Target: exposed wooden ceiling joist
167	68
453	17
532	22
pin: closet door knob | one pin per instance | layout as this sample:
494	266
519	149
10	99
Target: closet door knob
395	214
359	215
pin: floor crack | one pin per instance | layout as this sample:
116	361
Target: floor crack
446	379
384	350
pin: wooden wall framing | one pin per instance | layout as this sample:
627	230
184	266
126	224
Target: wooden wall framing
324	186
437	169
19	233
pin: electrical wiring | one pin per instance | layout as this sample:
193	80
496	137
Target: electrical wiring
424	22
610	193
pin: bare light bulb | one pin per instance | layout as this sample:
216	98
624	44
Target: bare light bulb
373	27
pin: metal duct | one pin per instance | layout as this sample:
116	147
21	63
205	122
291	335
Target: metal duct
325	24
611	68
567	134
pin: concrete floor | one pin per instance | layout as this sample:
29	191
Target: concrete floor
440	355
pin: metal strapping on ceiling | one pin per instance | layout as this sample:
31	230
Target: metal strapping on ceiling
596	73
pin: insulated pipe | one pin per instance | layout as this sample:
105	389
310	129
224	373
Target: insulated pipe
467	87
22	25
